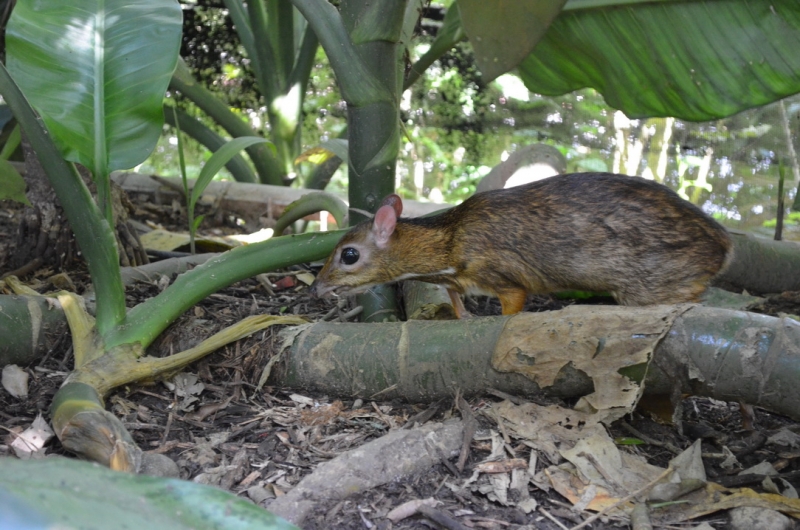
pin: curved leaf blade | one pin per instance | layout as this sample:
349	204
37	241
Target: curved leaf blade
96	71
694	60
221	157
503	32
337	146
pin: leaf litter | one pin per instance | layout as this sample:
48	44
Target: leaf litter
356	464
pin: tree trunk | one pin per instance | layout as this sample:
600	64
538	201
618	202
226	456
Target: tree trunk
45	239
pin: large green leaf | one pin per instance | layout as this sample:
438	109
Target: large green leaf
63	493
695	60
503	32
97	71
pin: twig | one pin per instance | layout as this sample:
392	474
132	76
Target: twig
550	516
441	518
623	500
29	267
470	428
666	445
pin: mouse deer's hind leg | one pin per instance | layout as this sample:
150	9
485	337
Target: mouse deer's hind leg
513	301
458	304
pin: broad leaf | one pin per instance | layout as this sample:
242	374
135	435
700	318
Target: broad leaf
695	60
503	32
97	71
65	493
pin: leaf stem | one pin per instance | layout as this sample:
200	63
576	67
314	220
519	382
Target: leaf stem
147	320
92	231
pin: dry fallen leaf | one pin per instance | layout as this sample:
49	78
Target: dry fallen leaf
599	342
31	441
15	381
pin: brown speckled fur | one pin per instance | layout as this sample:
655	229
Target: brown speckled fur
590	231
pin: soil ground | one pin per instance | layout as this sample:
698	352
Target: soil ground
236	438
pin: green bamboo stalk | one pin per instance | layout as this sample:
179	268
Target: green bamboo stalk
719	353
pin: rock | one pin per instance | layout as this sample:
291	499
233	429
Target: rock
748	518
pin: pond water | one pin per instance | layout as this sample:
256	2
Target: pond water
730	167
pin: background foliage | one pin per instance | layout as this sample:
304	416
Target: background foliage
457	126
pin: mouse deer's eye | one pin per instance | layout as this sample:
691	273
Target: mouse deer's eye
349	255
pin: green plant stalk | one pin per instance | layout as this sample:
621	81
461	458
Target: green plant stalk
312	203
210	169
373	128
267	32
14	139
273	31
92	231
373	125
263	52
147	320
369	23
238	13
796	203
357	83
411	18
267	166
449	35
367	77
781	204
212	141
305	60
373	146
283	139
184	179
297	85
282	35
73	397
85	428
100	172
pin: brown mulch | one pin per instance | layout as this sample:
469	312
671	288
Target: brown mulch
260	444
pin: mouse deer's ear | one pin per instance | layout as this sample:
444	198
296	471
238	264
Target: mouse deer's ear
395	202
383	224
